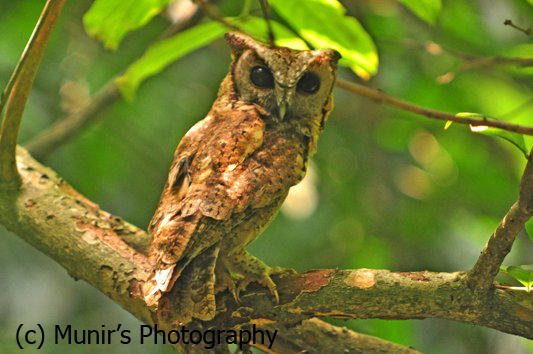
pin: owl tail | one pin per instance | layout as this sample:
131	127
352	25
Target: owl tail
161	281
192	297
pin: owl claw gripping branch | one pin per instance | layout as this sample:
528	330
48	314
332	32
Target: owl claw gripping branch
232	171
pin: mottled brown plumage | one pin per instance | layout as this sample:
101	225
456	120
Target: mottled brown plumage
231	173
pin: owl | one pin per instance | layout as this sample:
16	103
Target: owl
232	171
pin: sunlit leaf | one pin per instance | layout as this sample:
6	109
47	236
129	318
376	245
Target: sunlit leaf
470	115
514	138
529	229
524	276
448	124
110	20
323	24
428	10
164	52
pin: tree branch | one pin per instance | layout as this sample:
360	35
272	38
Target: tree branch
109	254
481	277
18	90
491	60
69	126
380	96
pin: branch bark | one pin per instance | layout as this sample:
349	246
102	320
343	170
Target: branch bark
481	277
109	253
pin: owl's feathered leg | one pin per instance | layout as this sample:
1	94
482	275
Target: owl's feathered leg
225	280
241	262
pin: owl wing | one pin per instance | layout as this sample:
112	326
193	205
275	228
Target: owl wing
195	197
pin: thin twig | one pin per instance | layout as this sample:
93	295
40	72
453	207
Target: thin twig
481	277
473	62
19	88
213	13
527	31
470	61
438	49
266	14
491	60
380	96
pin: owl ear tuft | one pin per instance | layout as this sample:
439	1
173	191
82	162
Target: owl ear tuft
239	42
333	55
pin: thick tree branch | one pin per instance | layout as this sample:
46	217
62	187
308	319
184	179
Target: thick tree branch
380	96
18	90
481	277
108	253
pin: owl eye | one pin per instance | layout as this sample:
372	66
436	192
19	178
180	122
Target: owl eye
262	77
309	83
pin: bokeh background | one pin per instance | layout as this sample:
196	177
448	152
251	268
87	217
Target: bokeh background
387	189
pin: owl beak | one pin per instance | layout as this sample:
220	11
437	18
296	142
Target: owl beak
282	108
283	102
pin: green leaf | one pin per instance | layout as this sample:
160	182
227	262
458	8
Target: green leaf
514	138
110	20
428	10
529	229
470	115
164	52
324	25
524	276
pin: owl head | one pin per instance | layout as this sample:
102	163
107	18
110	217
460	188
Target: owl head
292	85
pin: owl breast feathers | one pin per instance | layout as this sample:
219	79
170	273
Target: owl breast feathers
231	173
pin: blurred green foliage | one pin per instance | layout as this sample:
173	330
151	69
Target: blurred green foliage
390	189
524	276
110	20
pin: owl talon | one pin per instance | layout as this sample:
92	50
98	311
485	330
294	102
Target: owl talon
253	270
263	279
227	281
